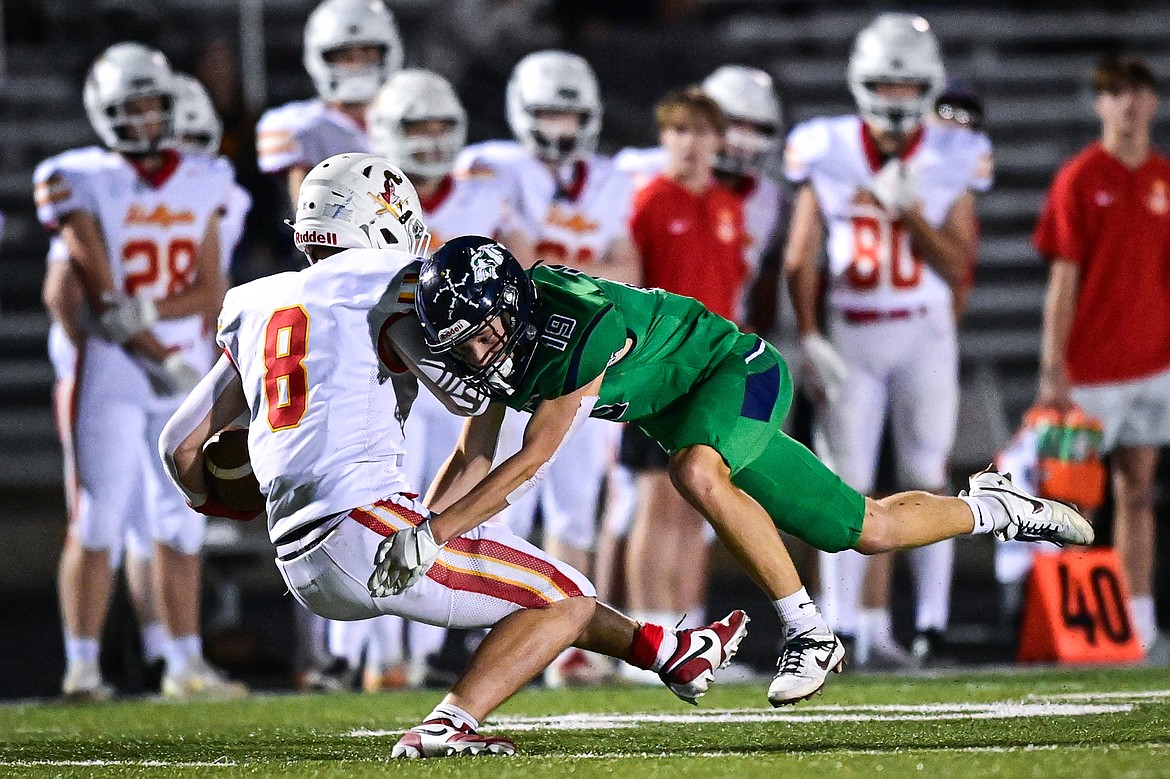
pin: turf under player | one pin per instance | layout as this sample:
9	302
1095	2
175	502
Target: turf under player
567	346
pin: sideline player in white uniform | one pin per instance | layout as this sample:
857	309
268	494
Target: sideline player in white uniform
418	123
140	224
308	356
350	48
897	197
748	99
198	130
577	205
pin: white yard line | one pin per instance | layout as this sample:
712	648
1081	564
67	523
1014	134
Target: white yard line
116	763
876	713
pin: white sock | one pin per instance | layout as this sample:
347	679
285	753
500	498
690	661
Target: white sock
81	650
879	627
798	613
181	650
423	640
694	617
842	576
154	641
990	515
1144	617
667	619
932	566
347	640
449	711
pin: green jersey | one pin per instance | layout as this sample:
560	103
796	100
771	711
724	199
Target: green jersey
585	324
688	378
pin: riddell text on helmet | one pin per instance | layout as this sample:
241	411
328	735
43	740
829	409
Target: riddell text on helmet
318	237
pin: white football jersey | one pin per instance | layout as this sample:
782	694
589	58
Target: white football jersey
578	227
152	233
325	433
475	205
303	133
870	259
762	207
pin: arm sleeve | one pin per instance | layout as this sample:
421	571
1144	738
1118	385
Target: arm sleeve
602	337
59	190
1059	230
804	145
277	146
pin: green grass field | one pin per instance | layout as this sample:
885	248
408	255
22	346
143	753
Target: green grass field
1086	723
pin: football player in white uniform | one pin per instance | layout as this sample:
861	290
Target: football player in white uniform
418	123
140	225
350	48
311	357
897	197
576	204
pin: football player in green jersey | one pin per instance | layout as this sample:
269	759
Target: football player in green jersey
566	346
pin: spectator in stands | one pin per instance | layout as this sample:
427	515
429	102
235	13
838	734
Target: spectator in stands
1105	232
690	233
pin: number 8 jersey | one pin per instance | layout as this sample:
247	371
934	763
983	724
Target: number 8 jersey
871	262
325	434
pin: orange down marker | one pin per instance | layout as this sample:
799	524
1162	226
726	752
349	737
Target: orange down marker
1077	610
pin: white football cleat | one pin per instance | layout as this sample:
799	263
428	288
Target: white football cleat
1032	518
441	738
804	664
701	652
197	679
83	683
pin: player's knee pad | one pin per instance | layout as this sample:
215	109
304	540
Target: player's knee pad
183	531
923	470
97	528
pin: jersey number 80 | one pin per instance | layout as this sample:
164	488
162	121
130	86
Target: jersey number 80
874	240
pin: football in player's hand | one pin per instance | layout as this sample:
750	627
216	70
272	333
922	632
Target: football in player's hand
228	471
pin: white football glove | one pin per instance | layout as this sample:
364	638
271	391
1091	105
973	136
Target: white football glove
179	377
896	187
403	559
823	366
126	317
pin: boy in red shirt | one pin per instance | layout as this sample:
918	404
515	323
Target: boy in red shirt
690	233
1105	231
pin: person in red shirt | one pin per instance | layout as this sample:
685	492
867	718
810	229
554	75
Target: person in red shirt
1105	231
689	231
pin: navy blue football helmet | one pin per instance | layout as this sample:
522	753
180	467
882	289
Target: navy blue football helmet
463	288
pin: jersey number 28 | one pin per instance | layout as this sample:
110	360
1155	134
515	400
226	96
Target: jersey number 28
286	380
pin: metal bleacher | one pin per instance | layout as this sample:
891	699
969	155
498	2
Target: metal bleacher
1032	67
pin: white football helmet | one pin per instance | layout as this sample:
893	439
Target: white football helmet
337	24
554	81
745	95
414	95
198	128
359	201
125	72
895	48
